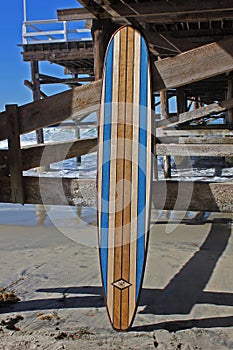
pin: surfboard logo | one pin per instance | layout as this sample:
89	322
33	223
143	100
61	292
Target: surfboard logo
121	284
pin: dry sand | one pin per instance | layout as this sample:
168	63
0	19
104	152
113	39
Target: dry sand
187	297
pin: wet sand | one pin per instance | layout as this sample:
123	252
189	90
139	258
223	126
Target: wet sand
186	301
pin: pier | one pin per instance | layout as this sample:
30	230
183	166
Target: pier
191	47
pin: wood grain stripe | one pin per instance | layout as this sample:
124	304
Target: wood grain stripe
120	174
100	156
112	190
149	157
127	177
133	239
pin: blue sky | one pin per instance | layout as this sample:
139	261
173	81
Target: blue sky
13	71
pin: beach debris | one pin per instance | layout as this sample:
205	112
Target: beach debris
63	298
81	333
49	317
8	297
10	323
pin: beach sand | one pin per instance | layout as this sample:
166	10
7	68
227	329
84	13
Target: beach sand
187	297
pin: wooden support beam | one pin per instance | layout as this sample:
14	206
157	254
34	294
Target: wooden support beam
29	85
77	102
42	155
75	14
195	132
171	120
48	79
196	16
205	111
101	33
14	155
194	65
4	168
196	140
204	127
36	94
164	116
156	12
196	114
57	191
194	196
99	48
59	55
160	7
94	8
107	6
181	101
167	45
201	150
167	195
229	119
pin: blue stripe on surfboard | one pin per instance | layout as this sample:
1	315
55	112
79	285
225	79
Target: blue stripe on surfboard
106	165
142	153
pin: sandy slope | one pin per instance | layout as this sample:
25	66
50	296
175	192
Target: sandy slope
186	302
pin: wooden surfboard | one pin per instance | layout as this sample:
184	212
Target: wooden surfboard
124	173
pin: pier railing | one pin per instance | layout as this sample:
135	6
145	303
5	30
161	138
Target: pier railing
52	31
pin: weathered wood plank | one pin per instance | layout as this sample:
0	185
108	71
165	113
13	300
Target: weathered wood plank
74	14
77	102
187	17
48	79
196	196
58	55
205	111
156	17
194	65
183	195
158	12
207	140
175	6
14	155
197	132
196	140
164	106
169	121
229	119
94	8
29	85
36	94
4	168
196	114
45	190
194	150
41	155
45	154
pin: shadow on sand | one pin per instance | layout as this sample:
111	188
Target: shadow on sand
185	290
